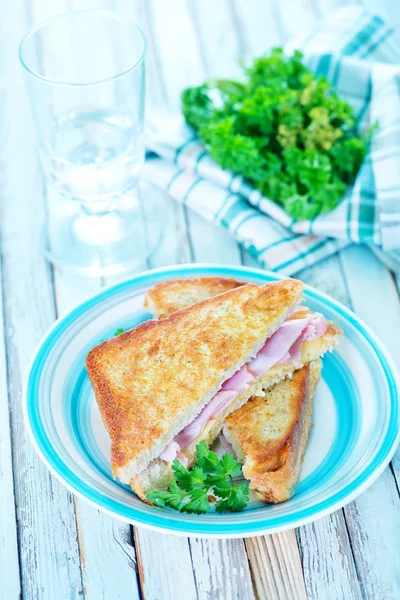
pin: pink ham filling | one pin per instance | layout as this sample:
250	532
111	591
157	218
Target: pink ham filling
283	346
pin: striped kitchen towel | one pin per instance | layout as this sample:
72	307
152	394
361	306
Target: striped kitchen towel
358	53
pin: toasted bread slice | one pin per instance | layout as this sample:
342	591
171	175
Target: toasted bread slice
270	434
159	473
172	295
152	381
169	296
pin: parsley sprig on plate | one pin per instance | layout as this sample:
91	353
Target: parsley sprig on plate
284	129
209	481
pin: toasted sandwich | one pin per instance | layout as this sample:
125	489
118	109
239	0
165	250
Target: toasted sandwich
269	434
277	422
168	384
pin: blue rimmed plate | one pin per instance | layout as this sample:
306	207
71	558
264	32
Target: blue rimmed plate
356	414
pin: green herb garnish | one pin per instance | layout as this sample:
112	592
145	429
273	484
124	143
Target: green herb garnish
285	130
119	331
209	481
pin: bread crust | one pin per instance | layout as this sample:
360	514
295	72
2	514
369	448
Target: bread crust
272	433
169	296
153	380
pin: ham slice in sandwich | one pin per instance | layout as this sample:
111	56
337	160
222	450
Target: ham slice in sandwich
283	347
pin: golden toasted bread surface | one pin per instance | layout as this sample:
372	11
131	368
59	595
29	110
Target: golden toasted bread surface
168	296
153	380
274	462
159	473
263	425
272	433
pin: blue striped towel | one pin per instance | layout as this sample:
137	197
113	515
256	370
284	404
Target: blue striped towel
357	52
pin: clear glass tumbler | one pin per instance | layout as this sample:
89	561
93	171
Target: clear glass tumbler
85	73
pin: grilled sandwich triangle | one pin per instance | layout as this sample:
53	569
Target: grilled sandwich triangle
153	381
299	384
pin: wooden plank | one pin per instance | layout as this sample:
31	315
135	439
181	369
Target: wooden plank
324	7
48	547
325	545
327	276
219	48
211	243
173	245
70	290
165	567
276	566
302	15
137	12
257	25
9	569
105	544
107	552
109	567
371	288
221	569
373	520
328	564
175	248
176	48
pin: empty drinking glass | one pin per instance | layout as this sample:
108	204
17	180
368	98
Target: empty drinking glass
85	76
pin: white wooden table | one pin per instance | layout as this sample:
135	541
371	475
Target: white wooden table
54	546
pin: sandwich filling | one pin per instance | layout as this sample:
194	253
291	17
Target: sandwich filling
284	346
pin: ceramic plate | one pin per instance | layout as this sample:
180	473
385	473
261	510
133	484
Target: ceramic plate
356	414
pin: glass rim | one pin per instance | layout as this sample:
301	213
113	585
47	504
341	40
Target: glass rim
106	13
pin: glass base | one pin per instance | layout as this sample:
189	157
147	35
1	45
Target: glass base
107	244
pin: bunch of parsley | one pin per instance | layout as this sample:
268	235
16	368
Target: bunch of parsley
285	130
209	481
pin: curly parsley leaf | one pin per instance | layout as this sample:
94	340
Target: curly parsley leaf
284	129
222	488
173	498
198	502
235	501
206	459
228	466
188	479
197	106
193	488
